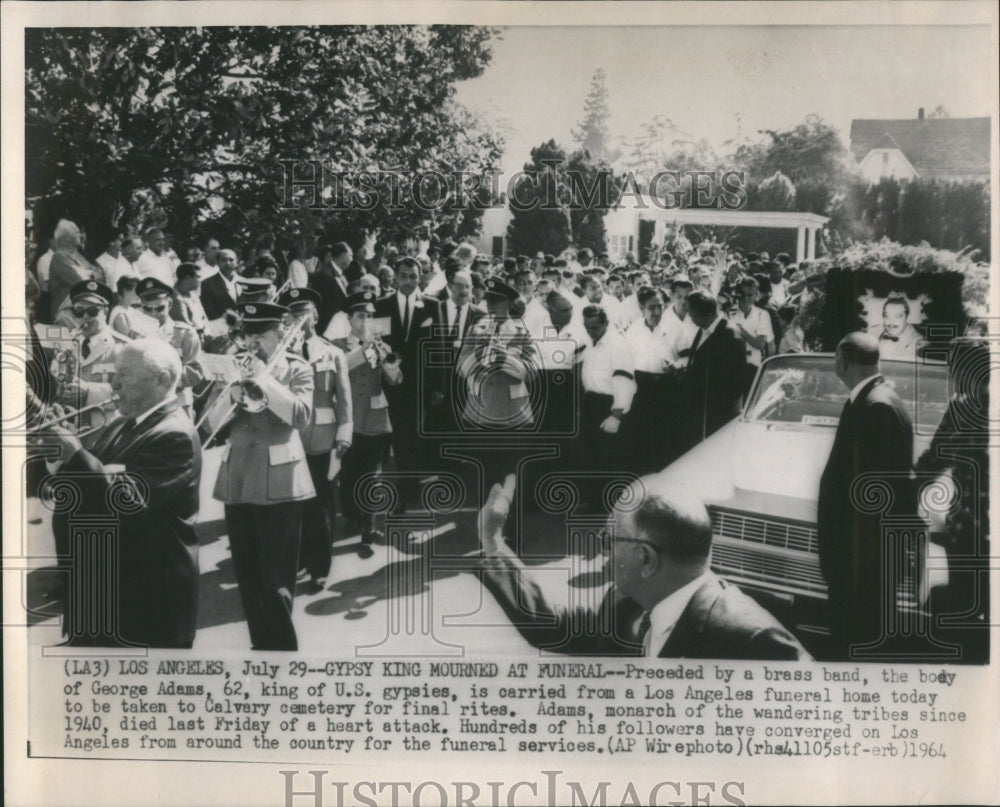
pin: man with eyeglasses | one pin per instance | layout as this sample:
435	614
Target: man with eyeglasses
157	298
663	600
90	382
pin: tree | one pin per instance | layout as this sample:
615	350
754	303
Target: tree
199	120
593	134
540	220
660	145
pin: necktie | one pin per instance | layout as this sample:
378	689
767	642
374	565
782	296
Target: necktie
886	338
85	348
694	345
643	632
406	319
305	351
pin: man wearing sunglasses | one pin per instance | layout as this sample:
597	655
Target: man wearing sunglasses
157	298
663	600
90	382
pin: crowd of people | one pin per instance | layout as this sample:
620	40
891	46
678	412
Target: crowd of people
350	362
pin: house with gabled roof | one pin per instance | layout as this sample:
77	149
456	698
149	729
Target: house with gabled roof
953	149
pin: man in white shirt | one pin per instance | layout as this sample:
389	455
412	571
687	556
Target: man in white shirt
593	291
608	387
676	322
42	267
753	325
156	261
114	263
209	263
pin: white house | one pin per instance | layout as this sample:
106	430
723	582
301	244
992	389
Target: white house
954	149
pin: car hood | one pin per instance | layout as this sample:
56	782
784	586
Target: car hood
771	468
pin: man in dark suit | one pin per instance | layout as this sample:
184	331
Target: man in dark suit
156	445
413	318
875	435
219	291
331	282
663	602
715	371
458	317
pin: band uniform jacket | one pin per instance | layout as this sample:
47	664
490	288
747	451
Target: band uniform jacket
369	405
265	461
331	418
875	434
187	343
719	621
497	391
215	297
158	547
715	380
96	372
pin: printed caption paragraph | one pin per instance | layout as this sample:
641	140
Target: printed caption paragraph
165	708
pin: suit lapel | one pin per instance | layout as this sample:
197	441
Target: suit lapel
131	436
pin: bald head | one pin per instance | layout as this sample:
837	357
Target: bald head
857	358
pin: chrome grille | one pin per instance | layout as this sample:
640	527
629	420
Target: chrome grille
792	572
780	534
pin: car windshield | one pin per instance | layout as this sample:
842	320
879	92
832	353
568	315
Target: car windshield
804	389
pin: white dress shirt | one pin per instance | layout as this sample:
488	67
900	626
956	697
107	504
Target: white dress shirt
680	332
43	269
159	266
608	369
666	613
115	268
757	323
454	315
561	350
402	301
651	347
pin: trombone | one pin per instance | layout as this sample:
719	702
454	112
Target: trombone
253	398
71	414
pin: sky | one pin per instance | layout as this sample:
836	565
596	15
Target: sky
729	82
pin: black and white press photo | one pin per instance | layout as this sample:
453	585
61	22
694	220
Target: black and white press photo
488	403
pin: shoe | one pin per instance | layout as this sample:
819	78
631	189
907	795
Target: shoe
373	536
319	583
302	576
365	551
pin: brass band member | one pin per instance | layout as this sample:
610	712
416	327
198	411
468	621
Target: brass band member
371	366
264	477
329	430
89	381
156	299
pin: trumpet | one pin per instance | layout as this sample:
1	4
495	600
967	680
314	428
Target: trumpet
104	407
378	352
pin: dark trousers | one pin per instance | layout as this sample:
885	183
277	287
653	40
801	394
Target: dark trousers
264	540
318	517
363	457
408	449
646	432
599	452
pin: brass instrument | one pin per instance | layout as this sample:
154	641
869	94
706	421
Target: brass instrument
252	397
73	414
378	352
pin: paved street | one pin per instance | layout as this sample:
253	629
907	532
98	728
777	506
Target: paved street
416	597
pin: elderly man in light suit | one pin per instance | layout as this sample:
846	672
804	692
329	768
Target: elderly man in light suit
264	479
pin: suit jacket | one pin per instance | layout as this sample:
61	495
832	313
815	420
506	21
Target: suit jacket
333	297
331	418
265	462
720	621
158	548
215	297
714	382
408	400
447	348
874	435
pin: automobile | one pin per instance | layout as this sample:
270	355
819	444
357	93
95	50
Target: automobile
759	476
